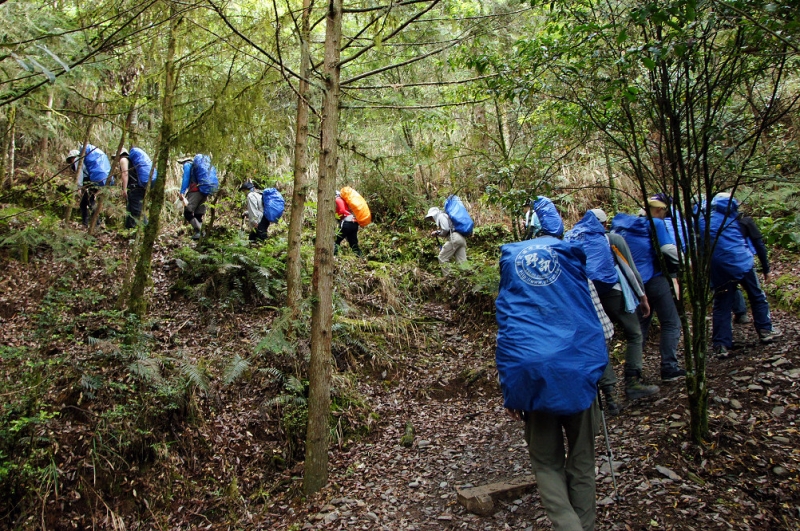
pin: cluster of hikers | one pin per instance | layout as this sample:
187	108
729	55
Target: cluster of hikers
199	181
554	365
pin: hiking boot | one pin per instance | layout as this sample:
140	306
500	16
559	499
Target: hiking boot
636	389
611	406
769	336
196	235
721	353
742	318
672	374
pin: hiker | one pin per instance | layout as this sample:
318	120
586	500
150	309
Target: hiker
255	213
455	245
755	239
542	219
94	174
619	285
135	169
636	232
549	369
348	226
199	181
733	264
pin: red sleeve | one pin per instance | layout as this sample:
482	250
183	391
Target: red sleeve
341	208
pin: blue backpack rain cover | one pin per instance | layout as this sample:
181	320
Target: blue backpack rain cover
683	230
732	257
273	203
550	346
143	165
462	222
636	231
552	225
204	174
590	234
97	165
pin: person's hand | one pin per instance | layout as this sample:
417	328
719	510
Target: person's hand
434	233
124	195
514	414
766	277
644	306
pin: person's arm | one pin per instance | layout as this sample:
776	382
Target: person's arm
341	208
666	244
123	171
751	232
443	223
187	170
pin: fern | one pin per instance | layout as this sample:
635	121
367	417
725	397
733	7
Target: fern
194	376
235	369
147	369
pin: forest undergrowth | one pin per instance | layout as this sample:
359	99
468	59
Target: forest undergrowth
194	418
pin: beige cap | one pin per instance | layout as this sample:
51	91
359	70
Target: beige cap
600	214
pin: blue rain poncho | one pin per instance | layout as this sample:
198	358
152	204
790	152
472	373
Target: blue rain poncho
551	350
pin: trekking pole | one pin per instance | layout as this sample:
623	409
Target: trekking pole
609	455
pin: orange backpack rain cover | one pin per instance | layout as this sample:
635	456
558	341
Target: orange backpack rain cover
357	206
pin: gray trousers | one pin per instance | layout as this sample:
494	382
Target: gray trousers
614	305
659	296
565	479
454	247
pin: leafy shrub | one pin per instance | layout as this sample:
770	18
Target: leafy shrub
28	231
234	273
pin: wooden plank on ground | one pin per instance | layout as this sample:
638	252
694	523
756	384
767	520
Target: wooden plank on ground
481	500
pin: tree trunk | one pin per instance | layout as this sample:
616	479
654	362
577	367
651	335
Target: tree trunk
44	145
294	264
12	147
137	303
316	463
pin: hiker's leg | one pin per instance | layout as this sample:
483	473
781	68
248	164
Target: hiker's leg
350	229
739	306
664	306
758	300
84	207
614	305
722	329
134	207
546	449
460	244
262	229
579	430
447	252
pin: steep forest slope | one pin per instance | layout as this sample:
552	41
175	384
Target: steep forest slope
194	418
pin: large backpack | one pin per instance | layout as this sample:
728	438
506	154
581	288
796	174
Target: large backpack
636	231
732	256
204	174
590	234
460	218
273	203
547	362
142	165
552	225
97	166
357	205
